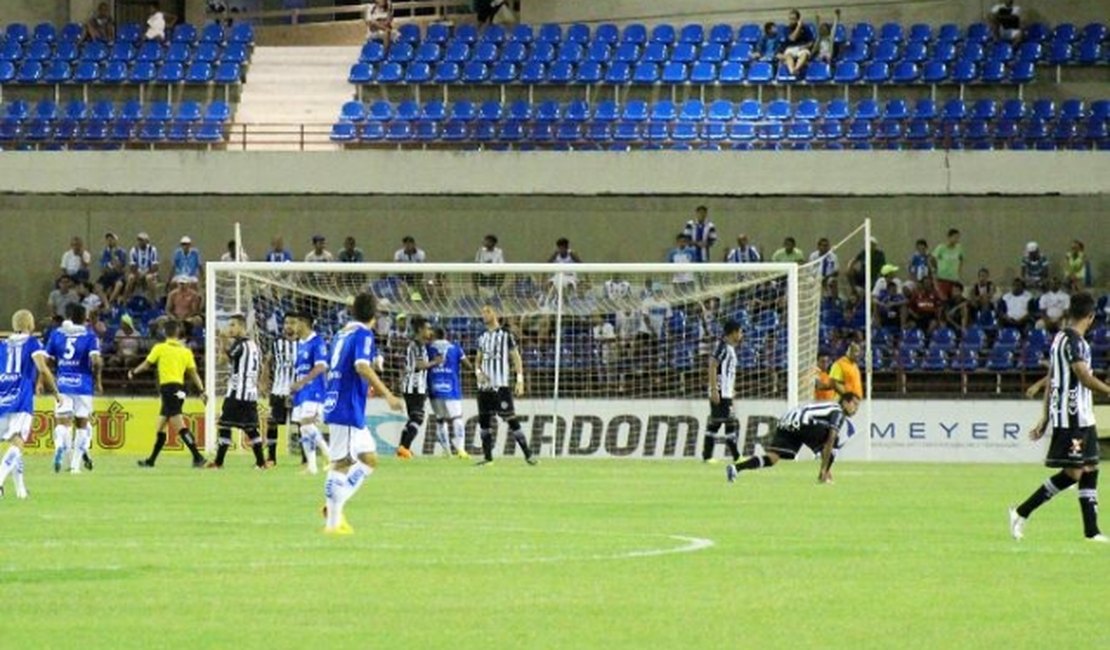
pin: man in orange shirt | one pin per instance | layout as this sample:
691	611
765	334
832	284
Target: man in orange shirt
823	390
845	373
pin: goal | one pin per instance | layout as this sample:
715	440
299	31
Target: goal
615	355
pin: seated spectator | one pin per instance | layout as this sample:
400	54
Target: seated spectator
921	262
319	252
563	255
351	253
1034	268
61	297
1005	21
379	22
278	252
1077	268
128	343
744	252
771	43
142	272
983	293
1014	306
1053	304
113	268
100	26
830	266
156	23
184	304
923	306
857	273
799	39
186	262
408	253
75	261
683	253
888	298
617	289
90	299
229	254
789	252
824	48
956	310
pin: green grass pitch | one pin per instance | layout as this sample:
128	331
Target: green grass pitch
570	554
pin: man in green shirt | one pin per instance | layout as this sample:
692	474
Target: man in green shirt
949	260
789	252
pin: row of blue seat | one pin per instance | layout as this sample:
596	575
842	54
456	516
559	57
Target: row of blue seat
149	51
77	110
701	73
65	133
186	33
119	72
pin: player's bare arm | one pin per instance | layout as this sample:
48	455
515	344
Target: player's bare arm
1037	387
827	457
1087	378
367	372
98	369
47	376
714	389
518	368
481	376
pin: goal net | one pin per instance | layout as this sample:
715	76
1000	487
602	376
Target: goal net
615	356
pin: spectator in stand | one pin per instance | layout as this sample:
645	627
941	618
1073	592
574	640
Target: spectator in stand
229	255
76	260
156	23
824	48
1014	306
604	338
142	267
799	39
489	253
956	312
983	294
830	266
858	275
1053	305
61	297
617	289
1077	269
655	311
278	252
492	11
921	263
789	252
563	255
888	298
682	253
408	253
923	306
319	252
1034	268
186	262
129	344
845	373
702	233
824	390
1005	21
100	26
184	304
379	22
351	254
770	44
113	268
744	252
948	260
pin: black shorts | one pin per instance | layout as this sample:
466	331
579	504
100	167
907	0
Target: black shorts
787	442
721	411
279	409
1073	447
238	413
173	399
414	406
498	402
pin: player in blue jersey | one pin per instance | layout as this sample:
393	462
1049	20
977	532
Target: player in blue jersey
22	361
311	367
76	353
445	389
351	375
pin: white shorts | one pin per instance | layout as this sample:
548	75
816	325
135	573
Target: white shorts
79	406
348	443
796	50
15	424
309	411
447	409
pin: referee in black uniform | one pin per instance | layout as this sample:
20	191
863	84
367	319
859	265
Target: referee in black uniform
240	408
497	353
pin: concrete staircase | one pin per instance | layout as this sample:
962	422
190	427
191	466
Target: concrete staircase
292	97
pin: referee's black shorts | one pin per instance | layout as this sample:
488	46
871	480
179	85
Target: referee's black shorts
279	409
498	402
173	399
238	413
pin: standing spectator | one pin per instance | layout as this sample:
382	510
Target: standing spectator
492	11
1014	306
76	260
186	262
1053	305
744	252
1034	267
923	306
351	254
155	23
409	253
319	252
100	26
563	255
983	294
824	390
888	298
771	42
278	252
489	253
830	266
604	338
845	373
799	39
824	48
113	268
229	255
949	261
956	312
617	289
142	267
789	252
858	275
921	262
1077	268
682	253
1005	20
63	296
655	312
379	22
702	233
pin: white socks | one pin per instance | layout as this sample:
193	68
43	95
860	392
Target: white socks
458	436
441	437
310	437
9	462
81	445
340	487
63	442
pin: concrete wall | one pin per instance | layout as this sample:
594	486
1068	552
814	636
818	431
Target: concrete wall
615	228
33	12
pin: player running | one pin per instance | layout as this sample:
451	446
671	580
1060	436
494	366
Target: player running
445	389
76	353
722	388
817	426
308	387
415	382
240	407
22	360
351	374
497	351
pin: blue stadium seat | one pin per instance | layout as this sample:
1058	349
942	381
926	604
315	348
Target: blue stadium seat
38	51
925	109
655	53
344	132
178	53
936	72
184	34
243	33
142	72
589	73
571	53
374	52
149	52
657	131
837	109
635	33
401	52
428	53
985	109
664	34
750	110
490	111
30	72
542	52
714	53
1022	72
1100	109
212	33
693	33
577	111
818	72
906	359
991	72
855	53
361	73
618	74
800	132
418	73
1090	53
741	52
66	130
890	131
1000	360
675	73
920	33
896	110
454	131
227	73
741	132
45	32
407	111
607	33
398	131
864	32
847	72
808	110
978	33
1044	109
891	32
908	73
1036	33
503	72
466	33
626	131
172	73
76	110
152	132
760	72
475	72
700	73
352	112
606	111
860	130
730	73
779	110
372	132
94	130
158	112
635	110
522	33
1065	33
66	51
599	52
877	72
532	73
1060	53
627	53
867	109
90	51
128	32
887	52
1001	51
935	360
646	73
46	111
954	110
1073	109
560	72
965	72
57	72
187	111
551	33
218	112
721	34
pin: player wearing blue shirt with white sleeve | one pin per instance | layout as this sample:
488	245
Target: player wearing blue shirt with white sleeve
351	375
445	389
76	353
311	367
22	359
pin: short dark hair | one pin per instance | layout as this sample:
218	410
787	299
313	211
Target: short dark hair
953	231
417	323
492	238
1082	305
365	307
301	315
407	239
75	312
730	327
849	397
440	333
239	317
682	235
171	329
789	239
562	241
231	244
701	208
921	242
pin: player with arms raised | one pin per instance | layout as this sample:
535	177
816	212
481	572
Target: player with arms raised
22	360
445	389
308	387
351	375
1069	409
240	407
415	382
497	350
76	353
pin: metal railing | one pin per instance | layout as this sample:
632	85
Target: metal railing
403	11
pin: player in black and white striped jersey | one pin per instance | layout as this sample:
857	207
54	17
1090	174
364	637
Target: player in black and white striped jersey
414	384
817	426
722	388
279	370
497	359
1069	410
240	408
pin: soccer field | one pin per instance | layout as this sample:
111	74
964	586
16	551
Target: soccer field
570	554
